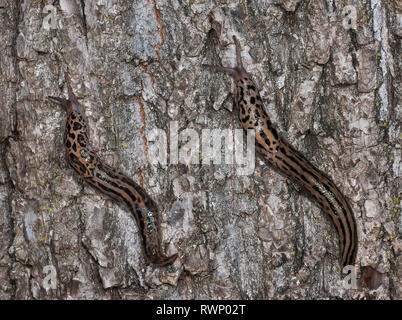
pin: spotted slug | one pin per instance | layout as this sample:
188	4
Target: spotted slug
104	178
288	161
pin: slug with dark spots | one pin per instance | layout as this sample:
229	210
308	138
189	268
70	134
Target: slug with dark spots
109	181
289	162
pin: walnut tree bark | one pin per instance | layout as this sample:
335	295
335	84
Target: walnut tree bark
329	75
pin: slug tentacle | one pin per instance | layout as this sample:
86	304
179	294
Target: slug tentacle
289	162
237	72
58	100
110	182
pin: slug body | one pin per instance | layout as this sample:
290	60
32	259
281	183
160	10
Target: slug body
107	180
289	162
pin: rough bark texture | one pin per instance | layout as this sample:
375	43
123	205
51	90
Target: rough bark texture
335	94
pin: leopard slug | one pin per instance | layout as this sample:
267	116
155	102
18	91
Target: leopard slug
289	162
112	183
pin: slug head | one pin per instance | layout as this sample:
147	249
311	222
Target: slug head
71	104
238	72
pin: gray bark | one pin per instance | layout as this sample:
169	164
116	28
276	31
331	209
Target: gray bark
335	94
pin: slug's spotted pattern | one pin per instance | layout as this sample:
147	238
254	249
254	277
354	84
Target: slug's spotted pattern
278	153
107	180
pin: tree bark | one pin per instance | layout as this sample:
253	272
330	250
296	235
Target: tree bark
333	88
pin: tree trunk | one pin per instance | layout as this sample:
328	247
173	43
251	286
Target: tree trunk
329	75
